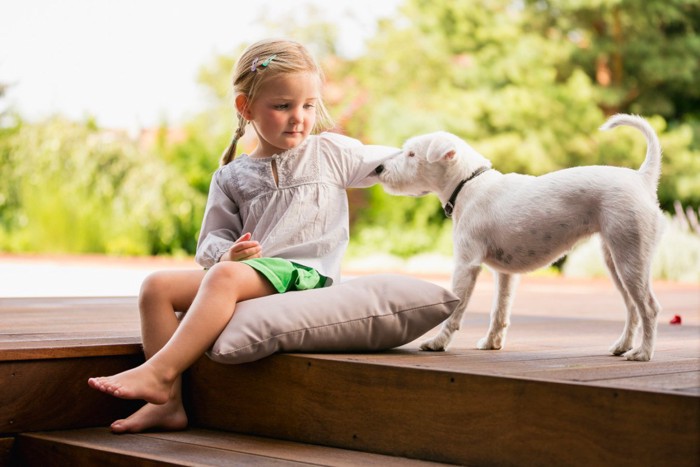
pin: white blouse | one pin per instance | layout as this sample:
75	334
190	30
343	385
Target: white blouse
304	217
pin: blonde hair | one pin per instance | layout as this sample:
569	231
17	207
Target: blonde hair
262	61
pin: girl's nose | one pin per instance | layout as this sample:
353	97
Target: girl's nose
297	115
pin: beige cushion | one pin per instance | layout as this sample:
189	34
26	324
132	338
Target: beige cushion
370	313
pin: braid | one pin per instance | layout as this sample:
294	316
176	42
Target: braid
230	152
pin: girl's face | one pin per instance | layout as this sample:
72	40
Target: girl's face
283	112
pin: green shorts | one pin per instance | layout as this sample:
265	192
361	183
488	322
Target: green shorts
286	275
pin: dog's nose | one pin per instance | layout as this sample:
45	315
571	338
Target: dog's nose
379	169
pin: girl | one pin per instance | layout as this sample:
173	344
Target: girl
276	220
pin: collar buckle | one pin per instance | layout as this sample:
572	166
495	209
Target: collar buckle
449	207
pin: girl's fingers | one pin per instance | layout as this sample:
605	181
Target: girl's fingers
257	254
246	236
241	246
239	251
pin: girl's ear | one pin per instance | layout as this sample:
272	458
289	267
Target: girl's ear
242	106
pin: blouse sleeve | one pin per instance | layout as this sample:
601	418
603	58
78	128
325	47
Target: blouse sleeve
354	163
221	225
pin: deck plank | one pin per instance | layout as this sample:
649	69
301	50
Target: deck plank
66	327
280	449
94	446
559	346
553	349
98	447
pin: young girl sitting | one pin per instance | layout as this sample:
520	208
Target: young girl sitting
276	220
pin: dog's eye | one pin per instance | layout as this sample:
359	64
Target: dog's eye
411	154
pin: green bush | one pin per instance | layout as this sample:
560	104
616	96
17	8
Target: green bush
69	187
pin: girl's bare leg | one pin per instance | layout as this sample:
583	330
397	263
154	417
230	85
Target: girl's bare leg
162	294
158	380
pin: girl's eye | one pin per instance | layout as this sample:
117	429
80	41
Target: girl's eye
281	106
309	106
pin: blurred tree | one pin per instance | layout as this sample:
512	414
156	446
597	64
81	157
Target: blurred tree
642	55
517	80
69	187
643	59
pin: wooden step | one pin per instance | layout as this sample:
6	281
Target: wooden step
552	396
561	401
97	446
49	347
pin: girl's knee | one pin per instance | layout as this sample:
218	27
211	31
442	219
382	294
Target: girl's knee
154	287
225	271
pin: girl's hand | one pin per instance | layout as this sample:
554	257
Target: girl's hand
243	248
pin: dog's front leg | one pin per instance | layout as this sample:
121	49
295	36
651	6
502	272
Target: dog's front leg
463	282
500	313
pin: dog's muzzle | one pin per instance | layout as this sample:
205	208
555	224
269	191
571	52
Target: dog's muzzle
379	170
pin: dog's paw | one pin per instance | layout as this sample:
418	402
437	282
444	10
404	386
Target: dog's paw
437	344
640	354
622	345
486	343
620	349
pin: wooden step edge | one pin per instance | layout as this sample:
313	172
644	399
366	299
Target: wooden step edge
78	348
191	447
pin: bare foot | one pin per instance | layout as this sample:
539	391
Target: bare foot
170	416
141	382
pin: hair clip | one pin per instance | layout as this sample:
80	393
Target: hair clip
264	64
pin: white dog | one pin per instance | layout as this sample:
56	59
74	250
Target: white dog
517	223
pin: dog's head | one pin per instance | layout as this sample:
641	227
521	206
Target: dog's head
427	162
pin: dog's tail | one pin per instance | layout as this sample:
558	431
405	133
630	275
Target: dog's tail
651	167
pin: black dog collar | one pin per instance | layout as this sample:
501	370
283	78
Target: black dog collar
449	207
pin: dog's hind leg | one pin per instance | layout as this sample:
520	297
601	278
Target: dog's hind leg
626	340
649	308
463	282
633	267
645	300
500	313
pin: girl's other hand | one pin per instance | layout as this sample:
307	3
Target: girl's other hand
243	248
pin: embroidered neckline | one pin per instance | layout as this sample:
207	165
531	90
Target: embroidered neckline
284	153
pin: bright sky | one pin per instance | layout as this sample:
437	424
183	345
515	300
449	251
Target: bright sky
133	63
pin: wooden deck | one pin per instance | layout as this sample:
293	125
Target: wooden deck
552	396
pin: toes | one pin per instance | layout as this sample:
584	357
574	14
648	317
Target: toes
488	343
483	344
119	426
104	385
620	347
617	350
437	343
638	355
98	383
432	346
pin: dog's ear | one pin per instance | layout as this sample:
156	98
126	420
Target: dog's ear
441	148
